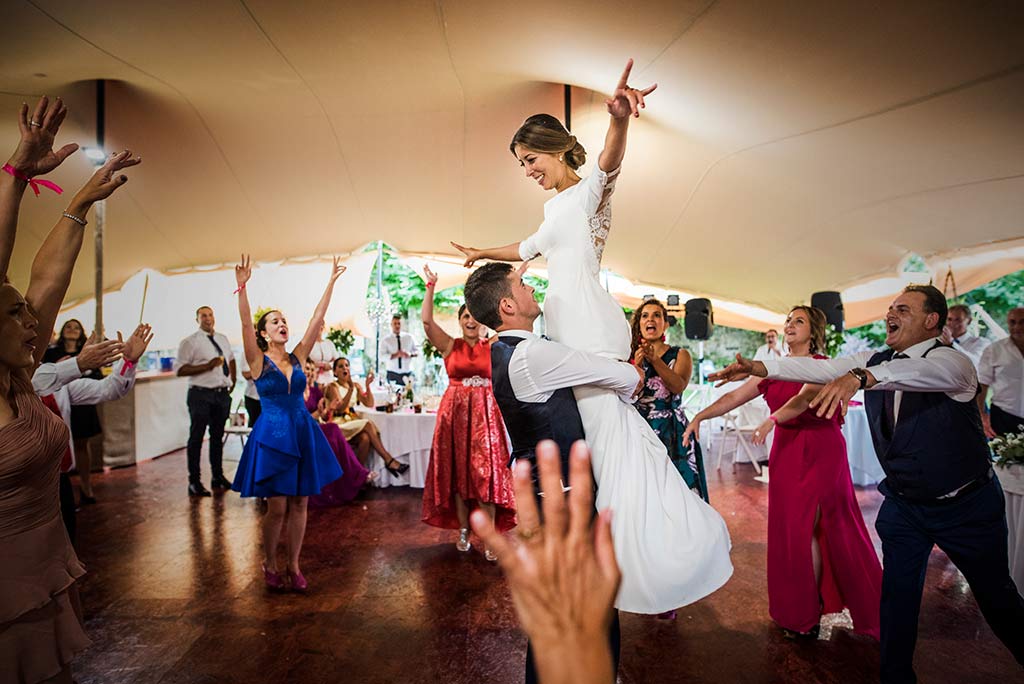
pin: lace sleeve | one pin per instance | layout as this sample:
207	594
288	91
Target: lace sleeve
600	186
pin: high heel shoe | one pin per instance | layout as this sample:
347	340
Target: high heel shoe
273	580
298	582
463	543
400	470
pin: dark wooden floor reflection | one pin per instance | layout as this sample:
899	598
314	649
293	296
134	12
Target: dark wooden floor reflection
174	594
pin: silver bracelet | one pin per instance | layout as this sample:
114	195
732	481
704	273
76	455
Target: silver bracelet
79	221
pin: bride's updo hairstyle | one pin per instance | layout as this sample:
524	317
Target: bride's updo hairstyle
544	133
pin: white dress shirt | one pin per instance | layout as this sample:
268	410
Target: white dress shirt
250	385
764	352
1002	369
197	349
65	382
971	345
943	370
539	366
392	344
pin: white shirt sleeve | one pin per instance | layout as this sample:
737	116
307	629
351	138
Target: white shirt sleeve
539	367
50	377
943	370
817	371
114	386
986	366
184	357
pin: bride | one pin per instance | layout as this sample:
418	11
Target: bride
672	547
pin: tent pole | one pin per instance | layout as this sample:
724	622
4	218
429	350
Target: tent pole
567	95
380	290
101	211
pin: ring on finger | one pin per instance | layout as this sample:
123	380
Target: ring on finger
527	535
33	122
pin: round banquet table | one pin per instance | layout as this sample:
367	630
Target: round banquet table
408	436
860	450
1012	480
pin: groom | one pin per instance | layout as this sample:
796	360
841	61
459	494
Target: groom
533	377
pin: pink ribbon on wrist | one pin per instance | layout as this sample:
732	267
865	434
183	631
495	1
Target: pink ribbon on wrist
126	366
33	183
240	288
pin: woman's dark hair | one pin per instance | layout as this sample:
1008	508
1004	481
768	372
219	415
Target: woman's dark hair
261	327
819	327
634	324
462	310
81	338
334	369
484	291
544	133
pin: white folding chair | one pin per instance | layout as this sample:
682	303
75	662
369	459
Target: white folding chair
730	426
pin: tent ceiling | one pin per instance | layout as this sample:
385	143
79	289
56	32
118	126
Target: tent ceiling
790	147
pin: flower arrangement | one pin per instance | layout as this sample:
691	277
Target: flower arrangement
834	341
1009	448
430	352
341	339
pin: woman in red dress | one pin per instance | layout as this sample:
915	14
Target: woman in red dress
820	557
469	459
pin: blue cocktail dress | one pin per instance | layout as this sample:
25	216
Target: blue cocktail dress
287	453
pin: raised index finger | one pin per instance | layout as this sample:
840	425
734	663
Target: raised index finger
624	79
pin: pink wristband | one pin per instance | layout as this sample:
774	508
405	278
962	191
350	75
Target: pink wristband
240	288
32	182
126	366
773	419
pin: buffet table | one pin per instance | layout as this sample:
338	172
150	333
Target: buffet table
408	436
149	421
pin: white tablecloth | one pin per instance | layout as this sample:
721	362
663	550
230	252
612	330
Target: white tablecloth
408	436
1012	480
860	450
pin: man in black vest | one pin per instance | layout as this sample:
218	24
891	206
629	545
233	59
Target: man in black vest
532	378
939	487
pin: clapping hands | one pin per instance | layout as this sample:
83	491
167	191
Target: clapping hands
98	353
626	101
136	344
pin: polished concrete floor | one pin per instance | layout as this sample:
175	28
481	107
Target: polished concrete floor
174	594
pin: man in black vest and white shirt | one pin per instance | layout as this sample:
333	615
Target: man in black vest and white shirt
939	487
532	378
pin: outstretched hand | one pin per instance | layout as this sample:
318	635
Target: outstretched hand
835	395
472	254
243	271
136	345
741	369
106	179
562	573
35	155
337	269
98	353
692	432
761	433
626	101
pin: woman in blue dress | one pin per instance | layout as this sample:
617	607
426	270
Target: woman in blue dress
287	457
667	373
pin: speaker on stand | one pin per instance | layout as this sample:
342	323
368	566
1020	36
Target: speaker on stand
832	305
699	324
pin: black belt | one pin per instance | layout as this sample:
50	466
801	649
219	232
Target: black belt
226	390
972	486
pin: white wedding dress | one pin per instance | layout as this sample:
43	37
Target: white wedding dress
672	548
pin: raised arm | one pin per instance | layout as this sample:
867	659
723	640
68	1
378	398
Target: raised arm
55	260
301	350
725	403
506	253
33	157
624	103
252	351
435	333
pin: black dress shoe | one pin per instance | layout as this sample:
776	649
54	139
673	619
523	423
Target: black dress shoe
220	482
197	489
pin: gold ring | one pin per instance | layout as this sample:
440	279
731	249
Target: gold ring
527	535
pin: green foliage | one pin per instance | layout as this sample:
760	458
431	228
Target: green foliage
834	341
341	339
430	352
406	289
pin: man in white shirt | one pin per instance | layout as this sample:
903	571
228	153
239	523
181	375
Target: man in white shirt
252	395
399	348
939	487
1002	368
206	359
771	349
955	334
63	383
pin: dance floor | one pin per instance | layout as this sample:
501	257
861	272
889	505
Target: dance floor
174	594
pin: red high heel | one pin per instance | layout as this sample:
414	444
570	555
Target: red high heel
299	582
273	580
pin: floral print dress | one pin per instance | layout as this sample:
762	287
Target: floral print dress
664	413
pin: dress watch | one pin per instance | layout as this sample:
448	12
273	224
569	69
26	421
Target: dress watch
861	375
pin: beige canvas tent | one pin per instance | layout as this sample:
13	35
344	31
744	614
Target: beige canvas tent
789	148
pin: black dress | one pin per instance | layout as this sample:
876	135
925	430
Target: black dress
85	420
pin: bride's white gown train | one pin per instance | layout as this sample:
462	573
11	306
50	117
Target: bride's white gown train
672	547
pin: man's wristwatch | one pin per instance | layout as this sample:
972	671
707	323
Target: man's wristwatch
861	375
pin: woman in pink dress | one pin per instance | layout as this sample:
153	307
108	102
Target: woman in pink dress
469	458
820	557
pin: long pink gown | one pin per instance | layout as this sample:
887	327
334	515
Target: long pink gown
810	470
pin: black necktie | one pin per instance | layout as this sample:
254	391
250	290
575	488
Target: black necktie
889	405
398	339
220	353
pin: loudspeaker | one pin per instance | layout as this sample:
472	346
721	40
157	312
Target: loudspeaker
832	305
700	319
